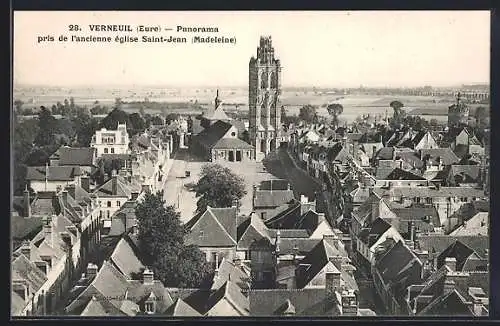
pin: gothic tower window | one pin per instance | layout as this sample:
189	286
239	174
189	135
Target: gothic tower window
263	80
274	80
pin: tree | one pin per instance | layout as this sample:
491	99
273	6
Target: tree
19	106
399	114
218	187
156	121
161	242
308	113
137	123
114	117
334	110
118	103
171	117
46	125
481	115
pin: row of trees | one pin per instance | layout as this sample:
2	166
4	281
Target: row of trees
67	109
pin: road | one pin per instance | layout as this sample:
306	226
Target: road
281	165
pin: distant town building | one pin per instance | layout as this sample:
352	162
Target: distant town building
458	113
111	141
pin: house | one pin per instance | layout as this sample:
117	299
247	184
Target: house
84	157
464	213
270	195
393	272
451	292
50	178
417	218
401	178
372	236
236	272
446	200
476	225
181	309
227	301
214	231
111	195
464	176
43	268
111	141
220	142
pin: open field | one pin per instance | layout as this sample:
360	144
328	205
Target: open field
236	99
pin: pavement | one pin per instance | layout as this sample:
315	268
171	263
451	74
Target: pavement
176	194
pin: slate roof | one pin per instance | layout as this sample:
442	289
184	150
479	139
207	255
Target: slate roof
400	174
317	259
467	173
228	271
232	143
123	219
106	190
24	269
451	304
94	308
446	154
377	229
210	136
125	259
438	243
424	192
55	173
274	198
466	258
292	212
274	184
233	294
213	227
421	215
24	228
251	229
305	302
181	309
79	156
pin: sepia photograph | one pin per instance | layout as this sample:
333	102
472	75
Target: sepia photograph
250	164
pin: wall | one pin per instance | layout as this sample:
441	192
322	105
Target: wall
39	186
228	253
104	209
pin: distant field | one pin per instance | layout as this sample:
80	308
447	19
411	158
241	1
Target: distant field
354	105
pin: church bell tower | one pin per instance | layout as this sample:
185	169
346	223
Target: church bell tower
264	89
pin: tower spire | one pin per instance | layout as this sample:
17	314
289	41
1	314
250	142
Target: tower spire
217	99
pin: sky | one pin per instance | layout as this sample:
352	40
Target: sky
322	49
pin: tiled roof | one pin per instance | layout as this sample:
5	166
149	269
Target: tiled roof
477	225
228	271
421	215
468	173
232	143
55	173
94	308
462	253
289	233
25	228
274	184
213	227
253	228
181	309
292	212
80	156
450	304
377	228
24	269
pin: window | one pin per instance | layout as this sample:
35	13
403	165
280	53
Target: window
105	150
214	257
107	214
118	204
149	307
109	203
112	150
263	215
233	134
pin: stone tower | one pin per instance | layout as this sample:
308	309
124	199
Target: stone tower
458	113
264	89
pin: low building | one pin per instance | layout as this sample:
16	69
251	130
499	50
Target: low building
50	178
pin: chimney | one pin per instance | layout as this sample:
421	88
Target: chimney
85	183
321	218
288	186
393	153
234	203
91	270
349	303
477	307
134	195
26	249
47	229
237	262
278	242
27	202
147	276
451	262
65	196
332	283
412	231
114	183
449	285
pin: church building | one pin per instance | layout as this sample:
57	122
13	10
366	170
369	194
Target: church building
219	141
263	99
